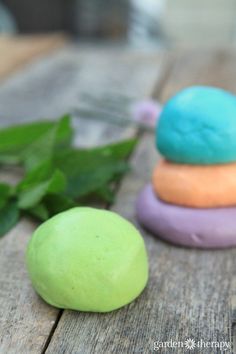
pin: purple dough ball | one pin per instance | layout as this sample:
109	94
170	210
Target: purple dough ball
201	228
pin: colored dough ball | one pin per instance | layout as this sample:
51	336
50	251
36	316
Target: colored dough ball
201	228
87	259
198	126
194	185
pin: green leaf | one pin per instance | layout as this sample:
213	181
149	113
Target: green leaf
87	183
40	211
16	138
45	145
57	203
41	173
9	216
91	170
10	159
56	174
106	194
88	170
31	191
5	191
65	131
16	141
33	195
120	150
36	152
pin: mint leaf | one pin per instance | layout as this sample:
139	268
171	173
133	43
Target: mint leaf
57	203
41	173
17	140
40	212
5	191
10	159
120	150
56	175
36	152
65	131
45	145
88	170
106	194
31	191
9	216
50	205
31	196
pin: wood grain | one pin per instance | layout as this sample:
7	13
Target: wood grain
191	293
200	67
17	51
92	84
48	88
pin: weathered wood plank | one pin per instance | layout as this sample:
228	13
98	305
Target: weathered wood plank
122	331
191	293
25	321
88	83
51	87
17	51
201	67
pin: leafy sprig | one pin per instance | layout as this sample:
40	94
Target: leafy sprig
56	175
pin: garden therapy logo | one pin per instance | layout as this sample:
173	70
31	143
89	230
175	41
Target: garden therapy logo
191	344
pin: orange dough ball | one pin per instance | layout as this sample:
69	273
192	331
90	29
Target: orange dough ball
197	186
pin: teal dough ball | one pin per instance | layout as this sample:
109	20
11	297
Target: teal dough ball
198	126
87	259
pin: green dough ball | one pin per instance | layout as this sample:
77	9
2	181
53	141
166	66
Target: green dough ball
87	259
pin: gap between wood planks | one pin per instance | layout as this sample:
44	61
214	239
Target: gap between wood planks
139	134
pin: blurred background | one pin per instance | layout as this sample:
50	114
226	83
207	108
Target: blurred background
136	22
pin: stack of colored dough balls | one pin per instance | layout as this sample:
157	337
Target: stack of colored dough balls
192	198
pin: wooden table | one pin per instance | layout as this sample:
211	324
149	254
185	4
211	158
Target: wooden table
16	52
191	293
